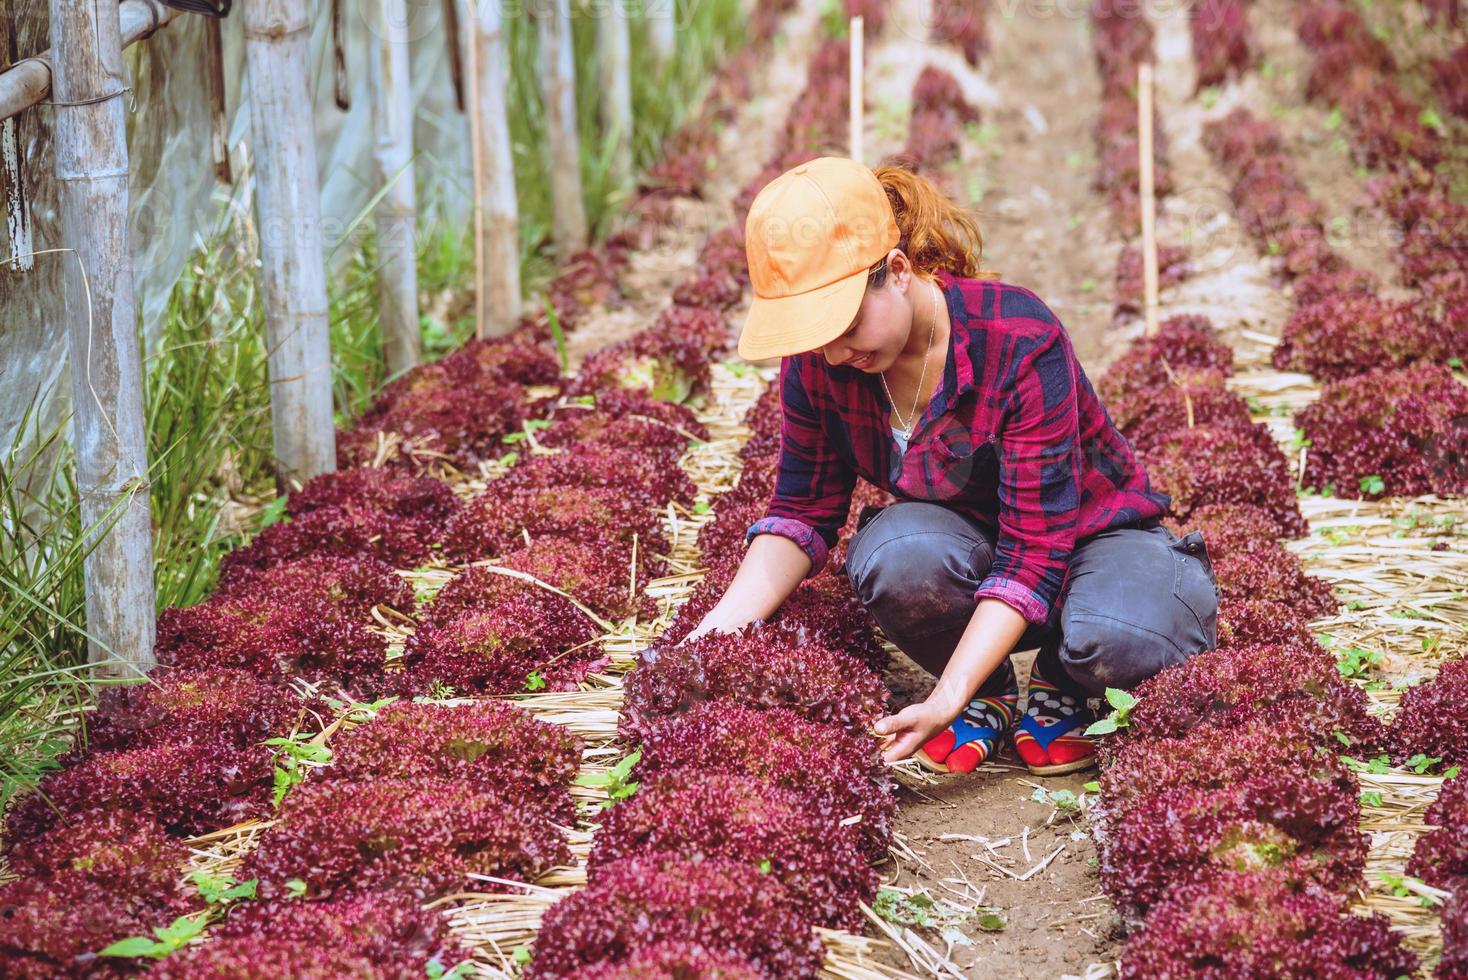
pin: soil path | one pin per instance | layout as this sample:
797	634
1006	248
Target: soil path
1032	166
1028	170
1230	283
651	273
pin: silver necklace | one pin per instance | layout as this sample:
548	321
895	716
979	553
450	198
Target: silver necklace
906	423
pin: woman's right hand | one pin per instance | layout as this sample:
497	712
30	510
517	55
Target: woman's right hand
772	567
709	624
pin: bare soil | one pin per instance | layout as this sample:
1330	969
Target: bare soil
985	838
1028	170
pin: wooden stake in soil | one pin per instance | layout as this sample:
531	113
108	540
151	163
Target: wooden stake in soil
558	78
858	45
496	212
662	23
396	215
292	268
614	60
1148	198
29	81
218	108
89	89
12	175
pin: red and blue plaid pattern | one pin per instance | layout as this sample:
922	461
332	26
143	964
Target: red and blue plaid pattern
1015	437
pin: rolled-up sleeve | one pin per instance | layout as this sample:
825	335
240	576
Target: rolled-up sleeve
813	484
1039	482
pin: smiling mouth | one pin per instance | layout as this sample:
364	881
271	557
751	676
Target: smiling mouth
862	362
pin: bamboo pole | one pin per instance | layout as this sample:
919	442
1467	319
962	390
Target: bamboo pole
614	59
496	212
218	110
288	208
29	81
558	78
856	96
90	133
456	52
12	174
662	28
1148	198
396	215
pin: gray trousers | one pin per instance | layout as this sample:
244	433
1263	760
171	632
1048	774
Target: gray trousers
1137	599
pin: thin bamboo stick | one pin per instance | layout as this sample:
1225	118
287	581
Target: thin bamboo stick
614	59
1148	197
292	268
496	212
558	79
101	326
858	55
662	26
396	215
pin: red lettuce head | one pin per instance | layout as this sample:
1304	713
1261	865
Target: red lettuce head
1261	924
493	647
1432	719
1232	465
352	585
1399	432
727	907
390	928
188	787
495	523
425	836
760	668
1292	823
1441	855
1226	688
796	837
783	749
220	704
490	744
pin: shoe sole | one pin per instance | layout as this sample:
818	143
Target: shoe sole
926	761
1060	769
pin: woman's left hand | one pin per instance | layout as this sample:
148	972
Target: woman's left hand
909	729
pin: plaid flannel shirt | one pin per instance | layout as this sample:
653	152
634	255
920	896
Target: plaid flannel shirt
1014	437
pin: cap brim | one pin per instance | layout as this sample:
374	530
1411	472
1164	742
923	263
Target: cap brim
789	325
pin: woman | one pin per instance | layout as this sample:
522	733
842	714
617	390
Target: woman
1023	519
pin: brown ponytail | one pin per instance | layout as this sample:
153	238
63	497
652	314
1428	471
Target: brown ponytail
936	233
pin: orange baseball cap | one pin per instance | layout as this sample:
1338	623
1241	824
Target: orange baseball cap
811	237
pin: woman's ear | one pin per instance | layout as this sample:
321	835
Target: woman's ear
899	268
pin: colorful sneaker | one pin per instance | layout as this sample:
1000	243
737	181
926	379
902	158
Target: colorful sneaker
973	736
1050	736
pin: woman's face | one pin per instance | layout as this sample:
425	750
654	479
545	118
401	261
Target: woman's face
881	328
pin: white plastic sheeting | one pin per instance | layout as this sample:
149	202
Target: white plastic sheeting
175	199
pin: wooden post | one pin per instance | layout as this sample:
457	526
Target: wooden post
218	111
558	77
456	55
90	133
29	81
858	45
496	212
12	175
1148	199
396	215
662	28
614	60
288	210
